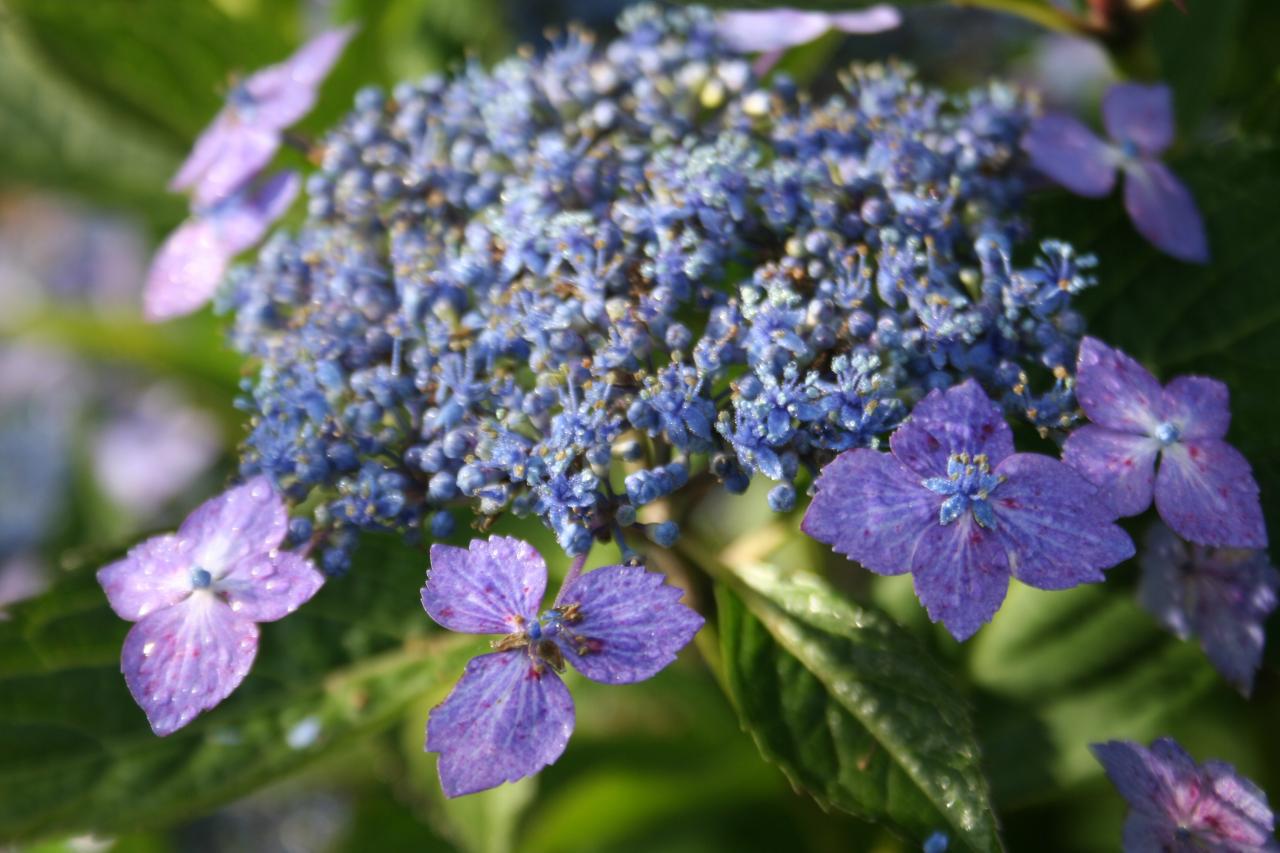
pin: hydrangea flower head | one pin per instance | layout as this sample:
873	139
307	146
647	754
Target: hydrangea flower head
1204	488
771	30
1178	806
247	132
510	715
196	596
192	261
628	260
955	505
1223	596
1139	120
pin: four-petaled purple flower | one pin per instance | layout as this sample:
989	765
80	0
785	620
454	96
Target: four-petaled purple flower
196	596
955	505
510	715
1223	596
187	269
1204	488
1177	806
247	132
1139	120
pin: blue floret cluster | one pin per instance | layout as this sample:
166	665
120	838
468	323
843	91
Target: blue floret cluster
576	283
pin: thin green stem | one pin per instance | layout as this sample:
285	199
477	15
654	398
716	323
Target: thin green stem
1036	11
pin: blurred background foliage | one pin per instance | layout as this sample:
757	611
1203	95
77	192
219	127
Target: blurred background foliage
110	428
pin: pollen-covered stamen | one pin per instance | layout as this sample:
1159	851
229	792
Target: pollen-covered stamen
968	485
1167	433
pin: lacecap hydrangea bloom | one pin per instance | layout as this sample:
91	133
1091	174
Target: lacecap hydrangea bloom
511	715
574	284
231	209
1178	806
1221	596
955	505
1204	488
1139	120
196	597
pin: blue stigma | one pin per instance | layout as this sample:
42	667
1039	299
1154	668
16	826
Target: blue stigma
968	485
1167	434
1129	149
200	578
535	630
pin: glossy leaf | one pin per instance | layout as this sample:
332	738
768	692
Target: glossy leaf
53	137
166	64
852	709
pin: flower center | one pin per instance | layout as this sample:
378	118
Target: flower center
1167	434
200	578
968	485
539	637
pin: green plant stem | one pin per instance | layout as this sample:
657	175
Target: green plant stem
1036	11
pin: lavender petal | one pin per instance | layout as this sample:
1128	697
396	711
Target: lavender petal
235	155
1069	153
1206	492
491	588
506	718
1115	391
243	222
155	574
1057	529
1177	805
286	92
270	586
873	19
1231	615
1198	406
962	419
185	272
1122	465
871	508
1139	115
1162	589
767	30
961	575
184	659
238	524
632	624
1164	212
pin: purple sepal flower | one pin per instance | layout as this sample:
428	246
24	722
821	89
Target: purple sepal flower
1139	120
246	133
196	596
770	30
1177	806
190	264
1223	596
510	715
955	505
1204	488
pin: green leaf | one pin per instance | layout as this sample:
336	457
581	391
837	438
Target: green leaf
852	709
76	754
54	138
162	62
1064	669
